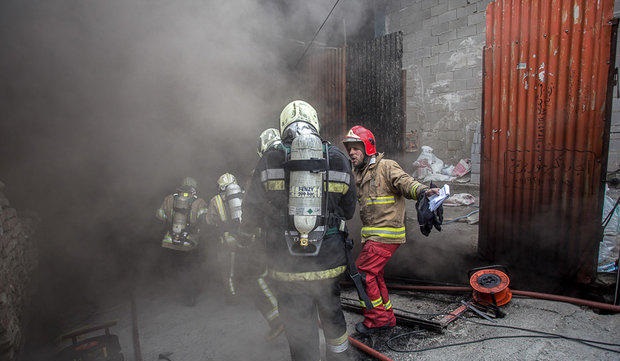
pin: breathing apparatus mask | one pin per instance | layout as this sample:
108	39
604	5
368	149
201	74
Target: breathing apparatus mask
296	129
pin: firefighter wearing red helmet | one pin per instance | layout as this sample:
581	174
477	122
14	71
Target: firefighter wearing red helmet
382	187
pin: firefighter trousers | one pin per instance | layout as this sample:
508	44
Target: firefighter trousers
371	264
265	300
302	304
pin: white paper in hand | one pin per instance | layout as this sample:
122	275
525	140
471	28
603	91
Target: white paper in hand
437	199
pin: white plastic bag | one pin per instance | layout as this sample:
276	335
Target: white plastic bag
435	163
609	246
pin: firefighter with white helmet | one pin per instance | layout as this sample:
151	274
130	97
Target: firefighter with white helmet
300	195
183	212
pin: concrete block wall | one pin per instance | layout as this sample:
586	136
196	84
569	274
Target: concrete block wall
442	56
18	262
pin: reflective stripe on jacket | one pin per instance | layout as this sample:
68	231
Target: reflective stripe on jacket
217	212
382	187
266	206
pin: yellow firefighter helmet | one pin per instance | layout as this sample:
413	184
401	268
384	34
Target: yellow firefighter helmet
189	182
298	111
269	137
225	180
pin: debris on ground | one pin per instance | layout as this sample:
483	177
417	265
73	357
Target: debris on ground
428	167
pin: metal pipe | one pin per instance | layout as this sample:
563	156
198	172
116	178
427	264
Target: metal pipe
576	301
137	352
369	350
544	296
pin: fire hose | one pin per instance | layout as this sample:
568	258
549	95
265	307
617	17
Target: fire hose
369	350
538	295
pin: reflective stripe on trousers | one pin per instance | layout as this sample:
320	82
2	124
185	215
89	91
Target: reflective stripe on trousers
307	276
338	345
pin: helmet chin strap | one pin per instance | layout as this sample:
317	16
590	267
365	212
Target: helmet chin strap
364	162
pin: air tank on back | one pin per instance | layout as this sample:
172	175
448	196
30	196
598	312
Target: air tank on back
305	187
234	195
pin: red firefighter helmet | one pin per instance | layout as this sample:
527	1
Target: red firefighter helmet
360	134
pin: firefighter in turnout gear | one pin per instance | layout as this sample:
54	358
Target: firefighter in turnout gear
300	195
225	213
382	187
183	212
268	139
262	293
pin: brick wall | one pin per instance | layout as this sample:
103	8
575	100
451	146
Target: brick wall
18	261
443	41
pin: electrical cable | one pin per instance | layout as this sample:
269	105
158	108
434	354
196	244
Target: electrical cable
417	281
608	217
541	334
582	340
315	34
460	343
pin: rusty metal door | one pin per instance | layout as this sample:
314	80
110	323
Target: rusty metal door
325	84
545	134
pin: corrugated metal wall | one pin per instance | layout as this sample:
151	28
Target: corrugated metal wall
326	85
359	84
375	90
545	134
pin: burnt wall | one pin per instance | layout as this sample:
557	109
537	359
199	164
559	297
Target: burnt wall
18	261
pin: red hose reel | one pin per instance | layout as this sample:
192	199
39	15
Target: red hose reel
490	285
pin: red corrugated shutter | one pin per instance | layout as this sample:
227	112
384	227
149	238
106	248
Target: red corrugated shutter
545	134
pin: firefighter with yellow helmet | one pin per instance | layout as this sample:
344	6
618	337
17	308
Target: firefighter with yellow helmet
183	213
268	139
300	195
224	214
260	286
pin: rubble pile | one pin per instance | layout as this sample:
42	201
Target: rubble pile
18	260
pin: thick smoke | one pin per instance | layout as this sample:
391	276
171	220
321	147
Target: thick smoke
107	105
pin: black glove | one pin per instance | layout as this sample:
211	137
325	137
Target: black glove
427	218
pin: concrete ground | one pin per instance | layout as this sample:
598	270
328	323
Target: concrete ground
214	329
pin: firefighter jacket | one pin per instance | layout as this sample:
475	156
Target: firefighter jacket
266	206
382	187
198	210
217	213
218	216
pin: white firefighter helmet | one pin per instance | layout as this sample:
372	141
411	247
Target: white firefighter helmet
225	180
268	138
298	111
